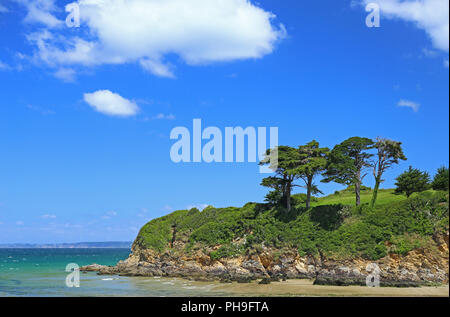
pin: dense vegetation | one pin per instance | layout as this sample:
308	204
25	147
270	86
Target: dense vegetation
396	224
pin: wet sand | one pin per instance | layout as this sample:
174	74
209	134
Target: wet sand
306	288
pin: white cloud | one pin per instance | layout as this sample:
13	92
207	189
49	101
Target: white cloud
48	216
109	103
146	31
157	68
446	63
41	12
411	104
20	223
67	75
429	15
429	53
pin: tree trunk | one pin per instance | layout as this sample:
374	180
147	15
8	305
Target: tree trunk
358	187
375	191
308	192
288	198
358	193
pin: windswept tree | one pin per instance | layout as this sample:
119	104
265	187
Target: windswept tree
389	152
347	163
312	160
283	181
412	181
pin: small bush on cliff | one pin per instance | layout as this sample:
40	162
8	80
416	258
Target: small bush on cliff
227	251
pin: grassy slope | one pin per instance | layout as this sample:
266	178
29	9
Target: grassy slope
345	197
331	227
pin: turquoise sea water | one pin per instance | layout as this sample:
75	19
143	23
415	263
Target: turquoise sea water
41	272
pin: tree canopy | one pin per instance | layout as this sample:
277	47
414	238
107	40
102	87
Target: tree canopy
440	180
347	163
412	181
389	152
312	160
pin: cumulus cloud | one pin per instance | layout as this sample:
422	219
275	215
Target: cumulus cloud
428	15
109	103
147	31
410	104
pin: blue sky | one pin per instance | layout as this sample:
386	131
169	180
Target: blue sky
72	171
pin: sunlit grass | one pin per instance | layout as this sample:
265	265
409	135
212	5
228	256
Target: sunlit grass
385	196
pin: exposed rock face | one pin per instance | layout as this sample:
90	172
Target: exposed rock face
418	267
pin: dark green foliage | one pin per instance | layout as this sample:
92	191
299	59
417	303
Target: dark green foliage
327	217
347	162
283	182
412	181
304	163
274	198
312	160
440	180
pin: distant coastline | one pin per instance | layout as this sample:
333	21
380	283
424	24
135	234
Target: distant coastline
78	245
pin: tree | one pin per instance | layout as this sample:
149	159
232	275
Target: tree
389	152
283	182
347	162
440	180
412	181
312	161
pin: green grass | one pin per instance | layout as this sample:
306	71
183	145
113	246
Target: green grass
331	227
345	197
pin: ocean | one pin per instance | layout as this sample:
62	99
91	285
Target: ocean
41	272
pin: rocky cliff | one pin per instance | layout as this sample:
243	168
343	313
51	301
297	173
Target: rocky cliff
418	267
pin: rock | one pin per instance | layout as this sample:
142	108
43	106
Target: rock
418	267
265	280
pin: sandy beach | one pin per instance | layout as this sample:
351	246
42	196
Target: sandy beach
306	288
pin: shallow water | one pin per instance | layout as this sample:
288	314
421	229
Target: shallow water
41	272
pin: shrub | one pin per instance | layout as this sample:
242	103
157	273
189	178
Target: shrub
412	181
440	180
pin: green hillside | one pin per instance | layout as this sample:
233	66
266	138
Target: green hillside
347	197
332	227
